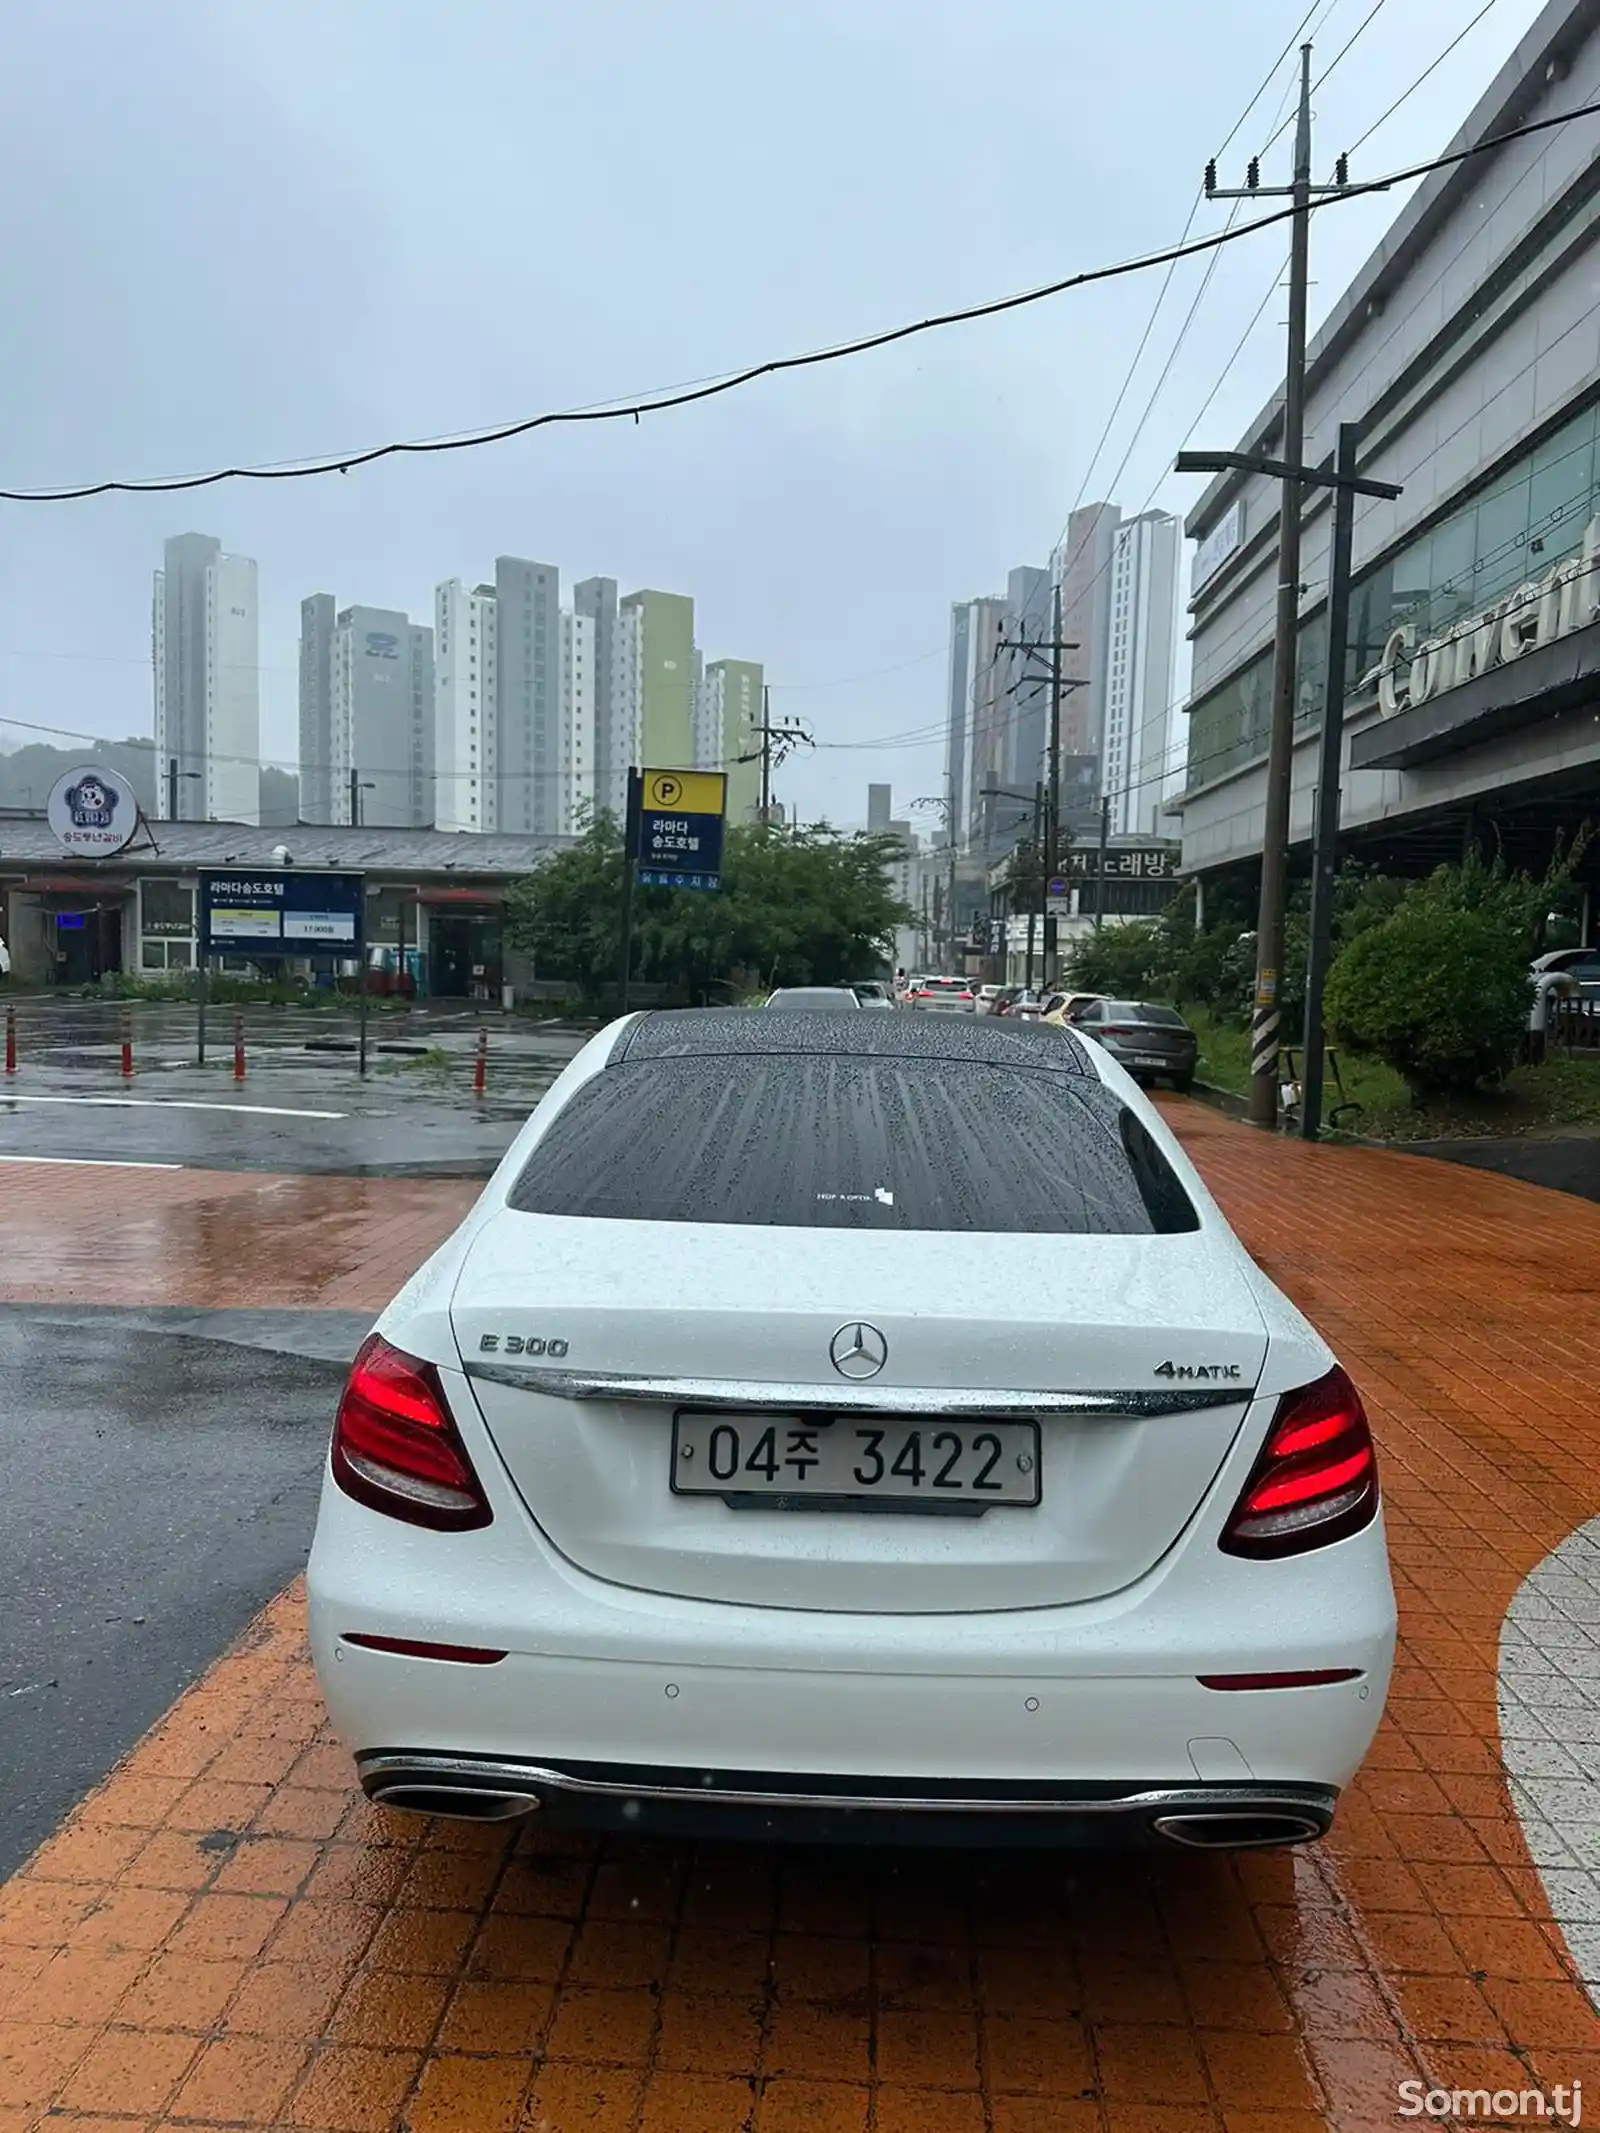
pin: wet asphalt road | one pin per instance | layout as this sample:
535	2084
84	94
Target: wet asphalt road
302	1121
160	1488
1567	1162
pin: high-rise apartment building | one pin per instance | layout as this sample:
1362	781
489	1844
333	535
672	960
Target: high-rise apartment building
1081	566
975	731
531	771
596	600
578	679
205	659
366	716
1140	662
652	684
1025	682
516	688
728	737
318	621
465	651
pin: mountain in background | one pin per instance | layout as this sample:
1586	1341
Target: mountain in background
280	799
27	774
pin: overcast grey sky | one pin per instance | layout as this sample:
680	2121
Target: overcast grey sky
249	230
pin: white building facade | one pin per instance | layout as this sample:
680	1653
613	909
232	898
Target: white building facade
578	722
465	645
1140	665
206	669
1466	352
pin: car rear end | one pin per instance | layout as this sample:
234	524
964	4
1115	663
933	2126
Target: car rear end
1150	1042
710	1493
943	996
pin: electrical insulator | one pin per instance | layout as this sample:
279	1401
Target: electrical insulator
1252	176
1211	175
1341	171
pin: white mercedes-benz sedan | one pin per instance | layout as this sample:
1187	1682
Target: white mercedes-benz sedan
852	1426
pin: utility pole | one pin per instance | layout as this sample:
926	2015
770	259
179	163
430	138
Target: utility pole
1100	871
355	797
1050	836
173	775
778	743
1264	1023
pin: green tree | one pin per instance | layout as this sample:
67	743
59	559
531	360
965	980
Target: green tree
796	907
1438	990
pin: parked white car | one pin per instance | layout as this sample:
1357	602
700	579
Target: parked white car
698	1483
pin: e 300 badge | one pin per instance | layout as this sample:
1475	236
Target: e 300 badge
514	1344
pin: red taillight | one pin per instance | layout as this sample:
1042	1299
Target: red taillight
413	1648
395	1447
1316	1480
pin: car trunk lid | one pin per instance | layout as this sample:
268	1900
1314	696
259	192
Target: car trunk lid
583	1339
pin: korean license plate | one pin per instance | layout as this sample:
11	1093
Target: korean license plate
972	1463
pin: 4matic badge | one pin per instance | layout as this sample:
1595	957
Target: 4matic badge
1207	1371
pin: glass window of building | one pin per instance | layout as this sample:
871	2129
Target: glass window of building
166	925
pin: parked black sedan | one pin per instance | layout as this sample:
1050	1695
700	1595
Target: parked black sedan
1153	1043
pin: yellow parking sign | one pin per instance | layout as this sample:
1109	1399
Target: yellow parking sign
685	792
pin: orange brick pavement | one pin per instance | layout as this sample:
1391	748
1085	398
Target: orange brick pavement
226	1935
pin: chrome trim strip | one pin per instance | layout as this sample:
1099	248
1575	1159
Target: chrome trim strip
486	1775
846	1399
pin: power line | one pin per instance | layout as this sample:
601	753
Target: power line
1350	42
1459	38
1166	284
778	365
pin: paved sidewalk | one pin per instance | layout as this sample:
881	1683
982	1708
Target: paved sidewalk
226	1935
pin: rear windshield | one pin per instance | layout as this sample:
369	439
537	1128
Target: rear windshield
813	996
1137	1011
944	984
806	1142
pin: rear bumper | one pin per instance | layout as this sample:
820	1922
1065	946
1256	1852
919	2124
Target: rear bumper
800	1807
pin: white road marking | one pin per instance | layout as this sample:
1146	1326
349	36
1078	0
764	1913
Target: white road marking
90	1162
1550	1735
168	1103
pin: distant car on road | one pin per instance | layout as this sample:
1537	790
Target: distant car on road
871	993
1061	1008
941	995
1151	1042
607	1538
790	997
1022	1004
984	999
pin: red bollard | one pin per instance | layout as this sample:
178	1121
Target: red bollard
127	1045
480	1071
238	1047
11	1040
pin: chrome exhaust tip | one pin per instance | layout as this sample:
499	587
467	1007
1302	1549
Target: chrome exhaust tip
1235	1829
464	1803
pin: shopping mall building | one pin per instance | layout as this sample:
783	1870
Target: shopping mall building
1468	350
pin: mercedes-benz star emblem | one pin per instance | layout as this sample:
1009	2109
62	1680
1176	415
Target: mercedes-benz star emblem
858	1351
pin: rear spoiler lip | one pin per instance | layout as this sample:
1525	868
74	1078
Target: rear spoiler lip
760	1395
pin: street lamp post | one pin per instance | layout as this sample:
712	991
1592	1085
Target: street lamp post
1341	477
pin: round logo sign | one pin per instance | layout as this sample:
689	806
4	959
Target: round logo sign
93	812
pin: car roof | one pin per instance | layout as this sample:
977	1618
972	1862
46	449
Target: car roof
725	1032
